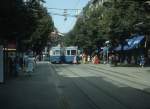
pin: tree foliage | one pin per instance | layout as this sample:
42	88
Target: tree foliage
27	22
115	20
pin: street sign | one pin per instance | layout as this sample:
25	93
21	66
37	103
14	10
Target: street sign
1	65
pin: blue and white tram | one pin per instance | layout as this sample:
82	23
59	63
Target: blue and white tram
55	55
63	55
70	53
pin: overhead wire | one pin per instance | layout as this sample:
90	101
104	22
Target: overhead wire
75	9
65	13
68	15
76	5
64	9
76	14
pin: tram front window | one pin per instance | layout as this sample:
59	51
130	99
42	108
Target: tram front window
73	52
68	52
57	52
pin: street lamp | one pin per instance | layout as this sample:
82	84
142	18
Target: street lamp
107	45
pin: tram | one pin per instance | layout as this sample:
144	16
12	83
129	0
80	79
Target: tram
55	55
70	53
63	54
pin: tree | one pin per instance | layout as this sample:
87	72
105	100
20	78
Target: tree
115	20
86	33
25	22
122	18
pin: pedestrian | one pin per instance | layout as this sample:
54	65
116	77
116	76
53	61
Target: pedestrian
96	60
10	66
142	61
80	57
17	66
89	58
126	60
113	59
84	57
30	65
110	59
75	59
132	60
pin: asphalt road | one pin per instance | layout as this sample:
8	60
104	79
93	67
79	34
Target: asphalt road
92	87
84	86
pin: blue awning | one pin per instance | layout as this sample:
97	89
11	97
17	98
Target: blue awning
131	43
138	40
126	47
118	48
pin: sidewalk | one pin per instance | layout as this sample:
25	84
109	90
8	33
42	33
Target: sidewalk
25	92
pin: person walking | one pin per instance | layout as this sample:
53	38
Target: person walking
75	59
96	60
142	61
10	66
17	65
84	57
89	58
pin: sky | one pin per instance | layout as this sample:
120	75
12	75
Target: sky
62	25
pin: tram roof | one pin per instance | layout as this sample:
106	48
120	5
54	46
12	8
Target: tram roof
72	47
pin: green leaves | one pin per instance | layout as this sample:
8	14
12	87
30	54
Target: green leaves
28	23
115	20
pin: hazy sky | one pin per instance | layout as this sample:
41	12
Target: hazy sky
60	24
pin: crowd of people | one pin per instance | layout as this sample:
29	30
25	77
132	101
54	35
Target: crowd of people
112	59
17	64
14	64
87	59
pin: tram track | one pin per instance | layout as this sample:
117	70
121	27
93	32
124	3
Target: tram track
87	81
114	95
121	76
112	71
124	106
90	101
63	101
124	74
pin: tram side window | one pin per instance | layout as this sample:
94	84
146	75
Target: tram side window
73	52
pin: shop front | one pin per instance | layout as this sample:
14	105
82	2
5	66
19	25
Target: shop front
132	50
